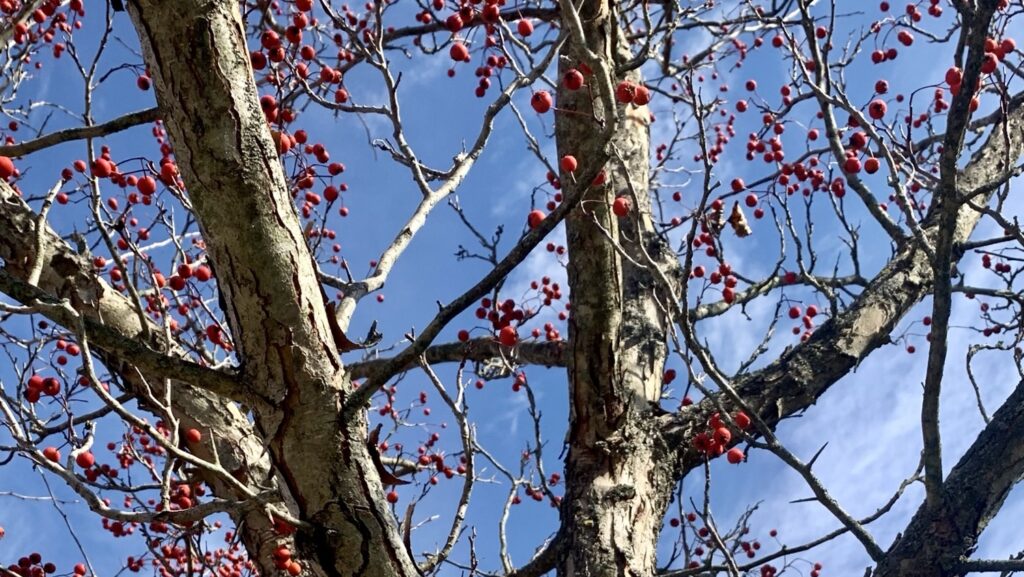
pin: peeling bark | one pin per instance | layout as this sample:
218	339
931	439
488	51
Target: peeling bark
617	481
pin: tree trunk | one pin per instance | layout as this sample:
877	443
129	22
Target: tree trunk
939	537
617	477
196	51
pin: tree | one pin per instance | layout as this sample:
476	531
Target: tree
200	299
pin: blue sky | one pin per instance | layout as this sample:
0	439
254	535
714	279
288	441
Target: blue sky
870	419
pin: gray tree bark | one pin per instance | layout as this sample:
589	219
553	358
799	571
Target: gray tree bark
196	51
618	478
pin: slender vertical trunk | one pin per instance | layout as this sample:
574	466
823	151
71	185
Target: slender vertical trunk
618	481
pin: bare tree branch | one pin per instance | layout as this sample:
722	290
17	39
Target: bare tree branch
72	134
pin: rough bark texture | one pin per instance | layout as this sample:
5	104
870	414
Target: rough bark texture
197	53
938	537
618	484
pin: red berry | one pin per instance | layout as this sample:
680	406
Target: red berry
147	185
85	460
742	420
459	52
258	60
202	273
392	497
508	336
621	206
641	95
52	454
871	165
568	163
534	218
101	168
541	101
988	63
735	455
573	79
525	27
193	436
168	172
491	13
954	76
270	40
852	165
738	184
876	109
51	386
722	436
6	168
624	92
